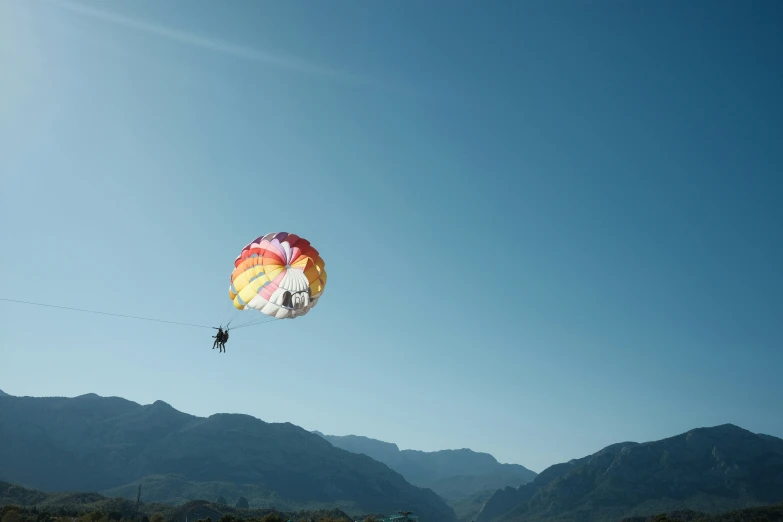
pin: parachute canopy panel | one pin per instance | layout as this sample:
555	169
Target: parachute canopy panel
279	274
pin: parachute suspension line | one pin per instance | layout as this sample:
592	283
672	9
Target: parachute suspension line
104	313
240	318
254	323
249	321
230	314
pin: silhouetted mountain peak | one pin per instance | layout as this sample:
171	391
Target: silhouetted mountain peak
364	441
4	394
236	420
618	447
722	430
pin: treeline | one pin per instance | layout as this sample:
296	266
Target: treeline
270	517
772	513
278	517
14	513
22	514
20	504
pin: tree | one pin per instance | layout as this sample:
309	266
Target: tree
242	503
11	516
157	517
4	510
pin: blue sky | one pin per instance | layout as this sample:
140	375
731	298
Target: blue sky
548	226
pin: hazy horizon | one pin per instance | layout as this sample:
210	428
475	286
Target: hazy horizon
548	227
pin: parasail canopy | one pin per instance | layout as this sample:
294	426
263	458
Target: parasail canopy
279	274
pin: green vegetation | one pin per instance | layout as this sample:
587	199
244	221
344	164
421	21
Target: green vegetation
18	514
19	504
772	513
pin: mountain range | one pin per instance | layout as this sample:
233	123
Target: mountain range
111	445
452	474
707	470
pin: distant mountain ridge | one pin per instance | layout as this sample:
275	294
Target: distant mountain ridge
459	476
706	469
110	444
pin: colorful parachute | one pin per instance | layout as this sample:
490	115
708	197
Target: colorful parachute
279	274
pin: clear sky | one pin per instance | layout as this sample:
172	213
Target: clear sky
548	226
